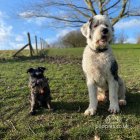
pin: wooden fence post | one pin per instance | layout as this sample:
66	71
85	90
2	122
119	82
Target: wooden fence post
43	45
30	45
36	44
20	50
40	44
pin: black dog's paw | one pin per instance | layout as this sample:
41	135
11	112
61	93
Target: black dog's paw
32	113
52	109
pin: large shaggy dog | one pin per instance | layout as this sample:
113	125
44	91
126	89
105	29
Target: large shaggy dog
100	66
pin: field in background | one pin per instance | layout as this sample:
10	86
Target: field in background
70	98
77	52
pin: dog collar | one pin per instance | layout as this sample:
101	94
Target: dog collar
99	50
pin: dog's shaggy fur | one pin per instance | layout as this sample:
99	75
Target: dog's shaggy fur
40	90
100	66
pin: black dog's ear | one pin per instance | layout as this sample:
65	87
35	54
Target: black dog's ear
30	70
42	68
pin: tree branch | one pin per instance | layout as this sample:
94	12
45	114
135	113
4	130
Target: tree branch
101	6
122	12
90	6
57	18
135	12
76	13
76	9
58	4
110	7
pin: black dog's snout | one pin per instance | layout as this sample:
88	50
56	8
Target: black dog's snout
105	31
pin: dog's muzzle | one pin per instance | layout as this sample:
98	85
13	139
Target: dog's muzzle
37	83
104	37
104	31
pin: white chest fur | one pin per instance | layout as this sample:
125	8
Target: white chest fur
97	65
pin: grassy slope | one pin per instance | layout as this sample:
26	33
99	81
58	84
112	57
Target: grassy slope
77	52
70	98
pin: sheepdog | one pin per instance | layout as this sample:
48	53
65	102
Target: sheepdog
100	66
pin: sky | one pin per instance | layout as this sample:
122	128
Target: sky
13	29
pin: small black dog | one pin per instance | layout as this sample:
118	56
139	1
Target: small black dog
40	90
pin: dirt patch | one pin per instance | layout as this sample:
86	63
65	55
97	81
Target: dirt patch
61	60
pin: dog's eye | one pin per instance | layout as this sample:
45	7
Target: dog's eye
95	25
106	25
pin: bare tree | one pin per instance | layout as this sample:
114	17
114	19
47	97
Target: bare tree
73	13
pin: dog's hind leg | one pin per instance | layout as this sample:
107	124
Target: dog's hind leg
121	92
101	95
93	102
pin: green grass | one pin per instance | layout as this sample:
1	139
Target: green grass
70	98
77	52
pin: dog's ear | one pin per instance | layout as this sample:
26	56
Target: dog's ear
86	27
90	23
42	68
30	70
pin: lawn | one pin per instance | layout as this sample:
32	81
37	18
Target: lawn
70	98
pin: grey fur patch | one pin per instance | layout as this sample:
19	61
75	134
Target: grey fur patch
114	69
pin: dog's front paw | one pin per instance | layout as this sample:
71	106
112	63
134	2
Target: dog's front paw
32	113
122	102
90	111
114	108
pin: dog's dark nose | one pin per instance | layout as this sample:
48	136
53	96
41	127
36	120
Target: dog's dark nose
105	31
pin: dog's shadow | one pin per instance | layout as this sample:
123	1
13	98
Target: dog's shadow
75	106
132	107
133	103
66	107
